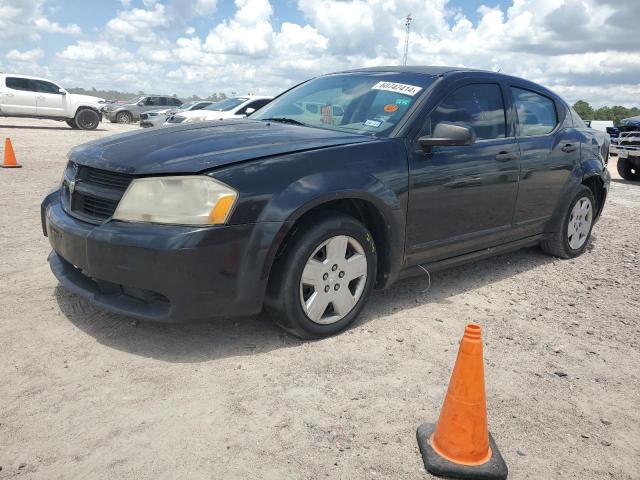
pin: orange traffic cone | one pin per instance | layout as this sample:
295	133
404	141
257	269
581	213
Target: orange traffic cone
9	155
460	445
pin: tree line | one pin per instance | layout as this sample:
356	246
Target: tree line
615	113
117	95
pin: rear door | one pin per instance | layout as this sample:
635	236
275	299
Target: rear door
150	103
49	101
550	148
462	198
19	97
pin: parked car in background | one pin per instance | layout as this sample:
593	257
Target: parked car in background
155	118
235	107
305	213
627	147
130	112
25	96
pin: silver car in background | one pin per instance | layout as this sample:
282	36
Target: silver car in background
155	118
130	112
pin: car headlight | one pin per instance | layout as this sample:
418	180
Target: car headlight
196	119
188	200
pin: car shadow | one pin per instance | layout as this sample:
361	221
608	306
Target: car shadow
42	127
237	337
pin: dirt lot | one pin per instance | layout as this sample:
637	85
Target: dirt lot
86	394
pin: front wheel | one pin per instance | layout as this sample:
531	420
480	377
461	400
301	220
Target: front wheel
72	124
124	117
321	282
628	170
574	231
87	119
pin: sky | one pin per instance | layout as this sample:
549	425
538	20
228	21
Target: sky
582	49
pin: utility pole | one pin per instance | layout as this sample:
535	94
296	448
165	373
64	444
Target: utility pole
407	26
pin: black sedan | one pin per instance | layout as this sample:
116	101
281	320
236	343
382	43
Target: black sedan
343	183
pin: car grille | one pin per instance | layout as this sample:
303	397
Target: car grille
96	192
630	143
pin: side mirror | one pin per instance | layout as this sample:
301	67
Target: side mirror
62	91
448	134
141	104
249	111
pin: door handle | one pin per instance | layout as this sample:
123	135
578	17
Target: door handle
8	94
506	156
569	147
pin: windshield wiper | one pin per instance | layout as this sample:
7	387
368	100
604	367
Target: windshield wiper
284	120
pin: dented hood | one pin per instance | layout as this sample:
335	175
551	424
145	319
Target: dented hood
198	147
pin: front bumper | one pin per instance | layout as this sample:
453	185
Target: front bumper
160	272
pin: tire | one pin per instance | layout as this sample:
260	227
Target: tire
87	119
72	124
314	248
627	170
579	214
124	117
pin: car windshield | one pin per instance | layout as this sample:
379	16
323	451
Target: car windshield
226	105
187	105
370	103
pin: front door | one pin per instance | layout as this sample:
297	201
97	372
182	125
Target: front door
19	97
49	101
462	198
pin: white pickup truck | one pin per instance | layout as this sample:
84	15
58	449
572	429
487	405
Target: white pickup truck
24	96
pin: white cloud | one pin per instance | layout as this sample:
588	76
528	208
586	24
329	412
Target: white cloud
29	56
577	47
138	24
26	19
249	32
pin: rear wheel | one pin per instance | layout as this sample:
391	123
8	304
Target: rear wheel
324	277
574	229
124	117
87	119
628	170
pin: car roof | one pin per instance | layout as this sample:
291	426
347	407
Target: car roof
424	69
29	77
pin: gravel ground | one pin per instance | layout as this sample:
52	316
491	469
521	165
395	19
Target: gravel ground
87	394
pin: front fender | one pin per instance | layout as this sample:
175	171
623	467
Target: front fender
280	190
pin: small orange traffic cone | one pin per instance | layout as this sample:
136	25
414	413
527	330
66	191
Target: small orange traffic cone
9	155
460	445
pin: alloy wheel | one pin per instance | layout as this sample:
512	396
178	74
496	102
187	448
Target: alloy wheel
580	221
333	279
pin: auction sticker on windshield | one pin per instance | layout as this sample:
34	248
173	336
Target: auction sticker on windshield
410	90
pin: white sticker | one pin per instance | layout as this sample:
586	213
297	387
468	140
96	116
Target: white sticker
410	90
372	123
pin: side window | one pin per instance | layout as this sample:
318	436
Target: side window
200	106
175	101
255	104
259	103
537	114
46	87
162	101
151	101
479	106
15	83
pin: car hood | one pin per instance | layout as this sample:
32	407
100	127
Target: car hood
86	98
198	147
